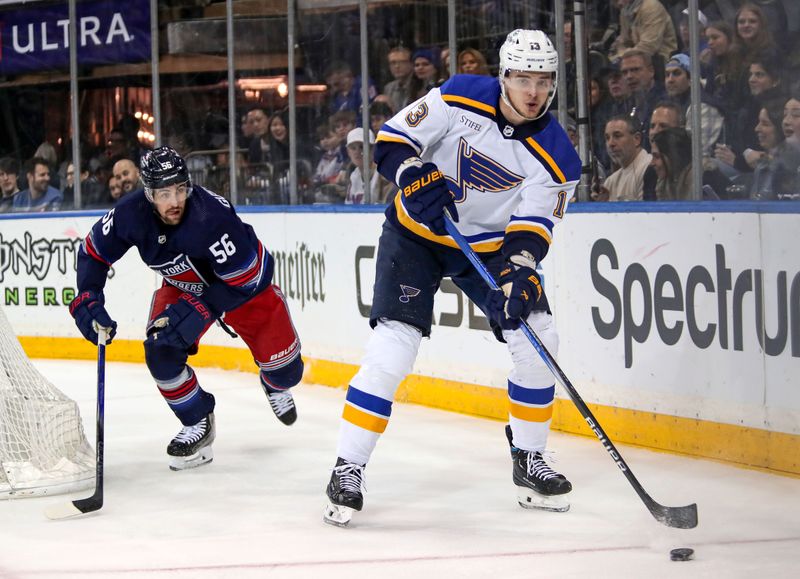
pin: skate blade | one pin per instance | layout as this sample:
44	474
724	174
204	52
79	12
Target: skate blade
199	458
337	515
530	499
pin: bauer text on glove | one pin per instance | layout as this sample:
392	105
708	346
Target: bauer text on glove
426	195
90	314
182	323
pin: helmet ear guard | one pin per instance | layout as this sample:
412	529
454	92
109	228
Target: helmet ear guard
162	167
528	51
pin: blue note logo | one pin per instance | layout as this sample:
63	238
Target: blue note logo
408	293
480	173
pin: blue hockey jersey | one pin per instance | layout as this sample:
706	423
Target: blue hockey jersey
211	253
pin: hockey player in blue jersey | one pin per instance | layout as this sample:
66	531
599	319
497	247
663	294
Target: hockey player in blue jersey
213	266
492	155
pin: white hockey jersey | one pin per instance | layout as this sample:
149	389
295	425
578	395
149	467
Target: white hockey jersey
508	181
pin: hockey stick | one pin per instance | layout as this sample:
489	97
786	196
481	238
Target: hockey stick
679	517
94	502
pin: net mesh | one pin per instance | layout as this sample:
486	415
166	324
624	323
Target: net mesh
43	448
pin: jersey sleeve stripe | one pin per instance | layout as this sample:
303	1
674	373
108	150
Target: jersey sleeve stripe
387	132
250	274
486	242
546	160
89	248
469	103
530	228
543	220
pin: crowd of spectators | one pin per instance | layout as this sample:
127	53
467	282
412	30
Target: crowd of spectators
746	101
640	75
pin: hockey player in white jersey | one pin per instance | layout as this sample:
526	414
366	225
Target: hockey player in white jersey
491	153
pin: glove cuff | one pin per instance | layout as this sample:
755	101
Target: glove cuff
523	259
410	162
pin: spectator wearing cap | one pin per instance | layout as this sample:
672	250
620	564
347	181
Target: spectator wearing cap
644	25
683	30
379	187
402	69
426	72
624	144
677	74
9	170
39	196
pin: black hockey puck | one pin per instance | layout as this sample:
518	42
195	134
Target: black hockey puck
682	554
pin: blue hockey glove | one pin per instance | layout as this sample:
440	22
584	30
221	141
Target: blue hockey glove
426	196
521	290
90	314
181	324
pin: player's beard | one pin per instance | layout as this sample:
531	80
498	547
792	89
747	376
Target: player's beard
172	215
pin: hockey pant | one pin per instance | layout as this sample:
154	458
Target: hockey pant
389	357
265	325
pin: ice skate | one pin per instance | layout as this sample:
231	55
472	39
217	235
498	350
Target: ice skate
345	492
282	404
191	447
538	485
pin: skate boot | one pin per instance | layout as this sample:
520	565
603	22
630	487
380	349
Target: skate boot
282	404
345	492
191	447
538	485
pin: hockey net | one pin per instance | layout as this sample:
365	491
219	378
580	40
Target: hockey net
43	449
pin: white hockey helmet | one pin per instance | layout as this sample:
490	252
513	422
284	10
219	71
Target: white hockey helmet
528	51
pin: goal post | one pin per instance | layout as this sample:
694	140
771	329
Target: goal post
43	448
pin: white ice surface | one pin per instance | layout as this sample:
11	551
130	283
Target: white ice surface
440	501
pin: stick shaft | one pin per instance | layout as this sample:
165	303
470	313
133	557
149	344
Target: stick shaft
682	517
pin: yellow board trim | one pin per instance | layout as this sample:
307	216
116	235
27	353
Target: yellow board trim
750	447
469	102
531	413
548	159
364	420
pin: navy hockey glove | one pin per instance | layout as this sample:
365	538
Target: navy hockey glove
89	313
521	290
426	196
181	324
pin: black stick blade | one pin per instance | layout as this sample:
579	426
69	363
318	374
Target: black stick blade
677	517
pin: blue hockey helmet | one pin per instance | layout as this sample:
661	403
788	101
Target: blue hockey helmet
162	167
